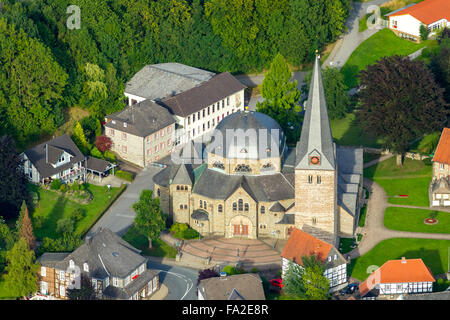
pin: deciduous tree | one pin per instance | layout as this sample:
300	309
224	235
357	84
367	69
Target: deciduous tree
103	143
400	101
150	220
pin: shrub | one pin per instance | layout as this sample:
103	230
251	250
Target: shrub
125	175
75	186
38	222
103	143
68	242
65	225
109	156
254	270
433	214
77	214
427	161
56	184
424	32
96	153
230	270
178	228
190	234
34	198
63	188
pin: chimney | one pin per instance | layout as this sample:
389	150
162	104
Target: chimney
403	260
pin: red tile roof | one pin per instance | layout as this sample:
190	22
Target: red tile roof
398	271
442	154
428	11
301	244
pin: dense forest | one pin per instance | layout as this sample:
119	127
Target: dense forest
47	67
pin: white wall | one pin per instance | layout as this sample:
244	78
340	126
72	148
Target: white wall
405	23
411	287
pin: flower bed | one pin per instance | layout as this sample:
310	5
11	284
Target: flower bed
430	221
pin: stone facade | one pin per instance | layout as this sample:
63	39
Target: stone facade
256	166
142	150
316	203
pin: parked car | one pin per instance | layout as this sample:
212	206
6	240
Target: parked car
350	289
277	283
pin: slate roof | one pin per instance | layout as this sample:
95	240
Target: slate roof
197	98
442	154
248	135
159	81
288	218
217	185
141	119
134	286
98	165
39	155
184	175
165	177
316	138
200	214
248	287
277	207
97	252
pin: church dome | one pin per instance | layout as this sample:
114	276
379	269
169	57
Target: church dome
248	135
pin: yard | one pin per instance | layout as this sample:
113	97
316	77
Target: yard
383	43
412	180
53	206
432	252
160	248
405	219
348	132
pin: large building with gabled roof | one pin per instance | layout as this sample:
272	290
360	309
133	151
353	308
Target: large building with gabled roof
250	184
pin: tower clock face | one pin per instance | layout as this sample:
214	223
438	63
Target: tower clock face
315	160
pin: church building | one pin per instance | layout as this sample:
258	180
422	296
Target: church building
252	185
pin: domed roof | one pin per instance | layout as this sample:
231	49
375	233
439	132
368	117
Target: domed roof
248	135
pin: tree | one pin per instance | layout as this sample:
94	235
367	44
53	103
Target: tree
424	32
80	139
150	220
13	182
86	291
281	98
336	94
65	225
440	66
400	101
103	143
21	272
7	240
206	274
25	228
307	281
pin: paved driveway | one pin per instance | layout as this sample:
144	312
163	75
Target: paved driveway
120	215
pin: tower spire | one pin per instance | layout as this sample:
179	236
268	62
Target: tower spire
315	150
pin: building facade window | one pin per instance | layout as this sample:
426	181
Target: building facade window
86	267
263	209
43	271
234	206
240	204
319	179
220	208
124	136
310	178
246	207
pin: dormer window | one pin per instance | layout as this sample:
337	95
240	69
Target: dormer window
85	267
71	264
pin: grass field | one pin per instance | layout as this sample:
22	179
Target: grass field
412	179
383	43
160	248
348	132
432	252
52	207
405	219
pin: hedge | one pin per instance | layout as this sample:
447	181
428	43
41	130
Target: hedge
125	175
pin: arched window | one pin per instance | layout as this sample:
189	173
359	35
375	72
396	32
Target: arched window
201	204
314	221
185	206
242	168
71	264
240	204
246	207
234	206
178	187
220	208
158	192
310	178
204	205
263	209
319	179
181	206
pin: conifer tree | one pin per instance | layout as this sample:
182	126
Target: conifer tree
79	138
26	228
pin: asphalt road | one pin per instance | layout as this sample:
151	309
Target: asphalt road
120	216
181	281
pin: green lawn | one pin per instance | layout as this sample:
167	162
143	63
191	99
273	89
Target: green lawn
412	179
53	207
405	219
345	245
348	132
160	248
432	252
383	43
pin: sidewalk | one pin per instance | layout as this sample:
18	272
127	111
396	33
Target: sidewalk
160	294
